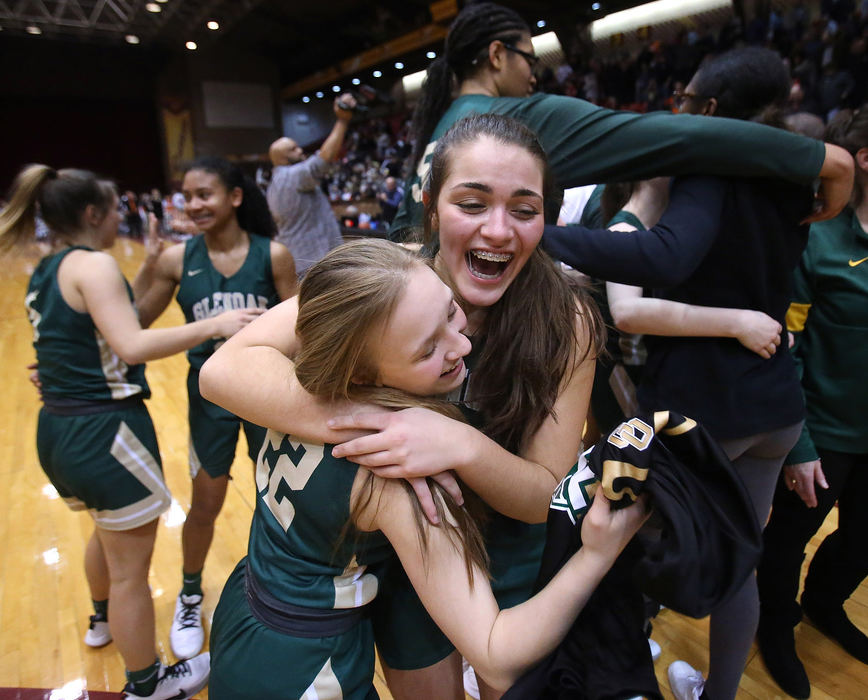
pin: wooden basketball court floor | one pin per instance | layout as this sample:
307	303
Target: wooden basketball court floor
44	601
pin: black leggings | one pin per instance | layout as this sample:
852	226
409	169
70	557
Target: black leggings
840	563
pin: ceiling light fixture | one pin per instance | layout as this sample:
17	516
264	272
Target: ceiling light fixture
305	99
378	74
336	88
320	95
192	45
213	26
399	65
356	81
431	54
32	29
541	23
153	7
131	39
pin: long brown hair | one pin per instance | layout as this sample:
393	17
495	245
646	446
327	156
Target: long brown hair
344	300
529	334
61	196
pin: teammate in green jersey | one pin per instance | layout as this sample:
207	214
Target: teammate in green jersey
376	325
95	438
535	340
233	264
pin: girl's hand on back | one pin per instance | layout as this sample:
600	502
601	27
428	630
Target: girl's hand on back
229	323
606	531
759	332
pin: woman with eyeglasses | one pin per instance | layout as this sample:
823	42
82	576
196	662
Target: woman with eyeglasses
488	61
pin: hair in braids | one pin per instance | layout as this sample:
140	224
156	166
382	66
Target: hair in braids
849	129
253	214
464	51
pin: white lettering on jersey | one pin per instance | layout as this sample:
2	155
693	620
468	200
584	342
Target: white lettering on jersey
422	172
219	302
33	314
280	469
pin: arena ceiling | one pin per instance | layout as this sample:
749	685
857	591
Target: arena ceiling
301	37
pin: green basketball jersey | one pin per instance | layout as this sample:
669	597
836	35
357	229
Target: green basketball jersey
75	361
203	292
302	507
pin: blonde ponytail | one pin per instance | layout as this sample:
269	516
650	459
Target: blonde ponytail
18	218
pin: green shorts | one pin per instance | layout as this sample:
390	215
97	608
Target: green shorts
214	433
250	660
407	637
107	463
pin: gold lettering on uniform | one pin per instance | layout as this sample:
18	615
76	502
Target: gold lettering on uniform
612	470
661	418
634	432
685	427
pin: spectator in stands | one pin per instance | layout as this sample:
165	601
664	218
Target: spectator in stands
390	199
305	221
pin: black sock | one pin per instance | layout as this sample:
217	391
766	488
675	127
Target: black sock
192	583
100	609
144	682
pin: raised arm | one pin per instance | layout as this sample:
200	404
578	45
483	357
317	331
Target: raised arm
499	644
156	282
99	287
343	109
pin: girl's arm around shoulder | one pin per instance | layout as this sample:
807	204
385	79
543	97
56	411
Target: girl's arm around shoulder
499	644
283	271
253	376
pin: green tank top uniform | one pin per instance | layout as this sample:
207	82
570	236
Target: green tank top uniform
95	439
293	619
76	364
204	292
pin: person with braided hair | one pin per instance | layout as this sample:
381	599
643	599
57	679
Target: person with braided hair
488	61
